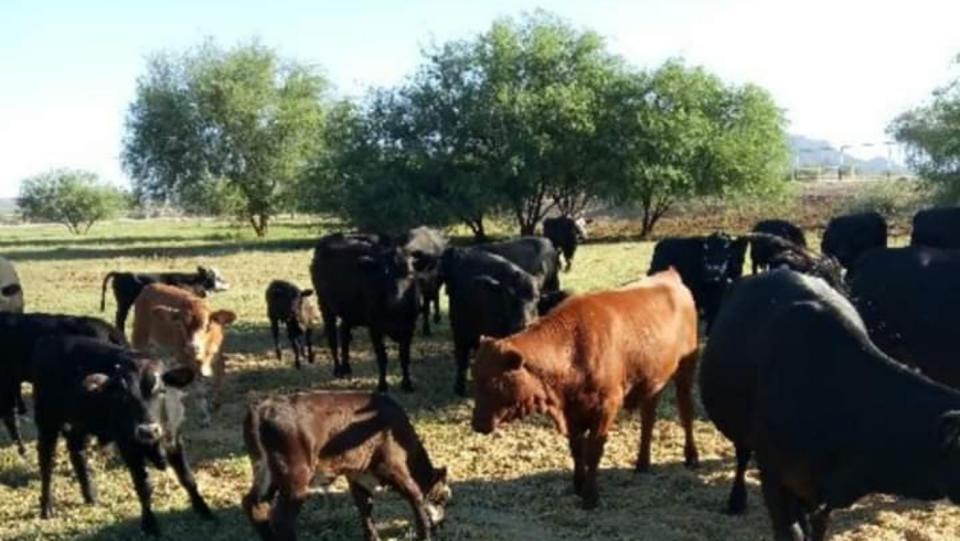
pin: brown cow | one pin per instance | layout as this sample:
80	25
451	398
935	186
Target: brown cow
177	320
307	440
590	356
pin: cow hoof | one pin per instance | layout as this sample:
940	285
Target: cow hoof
692	463
460	389
407	386
589	503
46	513
382	387
737	504
642	468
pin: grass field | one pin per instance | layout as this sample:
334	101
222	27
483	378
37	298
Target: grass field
514	485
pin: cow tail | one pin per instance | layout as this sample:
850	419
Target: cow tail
103	291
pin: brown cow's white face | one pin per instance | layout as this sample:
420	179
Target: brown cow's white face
11	293
199	336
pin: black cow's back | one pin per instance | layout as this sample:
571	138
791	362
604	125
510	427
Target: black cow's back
937	228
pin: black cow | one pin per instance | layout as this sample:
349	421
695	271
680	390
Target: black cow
295	308
937	228
565	233
535	255
85	388
127	285
426	245
729	363
908	298
762	250
488	296
19	335
363	281
836	420
847	237
706	266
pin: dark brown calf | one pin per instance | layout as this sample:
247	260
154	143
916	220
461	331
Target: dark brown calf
307	440
585	360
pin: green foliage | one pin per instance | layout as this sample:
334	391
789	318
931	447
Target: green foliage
243	123
74	198
931	133
889	198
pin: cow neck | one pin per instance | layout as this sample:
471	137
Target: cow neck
420	466
546	348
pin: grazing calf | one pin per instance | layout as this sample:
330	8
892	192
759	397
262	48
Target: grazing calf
706	265
19	335
908	298
762	250
426	245
838	420
847	237
11	292
127	286
937	228
182	323
585	360
295	308
730	361
565	233
488	295
363	282
535	255
86	388
309	439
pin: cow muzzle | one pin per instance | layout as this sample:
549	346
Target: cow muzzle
148	433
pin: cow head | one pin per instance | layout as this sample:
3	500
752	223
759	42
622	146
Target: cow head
949	433
304	311
11	293
211	279
437	497
718	252
580	226
390	271
503	389
144	405
198	332
513	302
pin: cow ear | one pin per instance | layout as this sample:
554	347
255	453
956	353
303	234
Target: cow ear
178	377
94	383
167	313
487	281
223	317
439	475
306	293
950	430
486	340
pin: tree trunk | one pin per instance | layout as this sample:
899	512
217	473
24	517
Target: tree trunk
260	223
479	232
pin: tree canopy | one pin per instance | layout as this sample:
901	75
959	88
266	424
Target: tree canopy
931	133
225	130
74	198
534	116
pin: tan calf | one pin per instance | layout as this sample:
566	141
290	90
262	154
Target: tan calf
182	323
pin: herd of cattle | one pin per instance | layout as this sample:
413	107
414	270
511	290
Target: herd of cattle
805	365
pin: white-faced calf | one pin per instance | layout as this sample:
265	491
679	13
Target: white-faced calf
295	308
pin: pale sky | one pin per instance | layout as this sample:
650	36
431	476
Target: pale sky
842	69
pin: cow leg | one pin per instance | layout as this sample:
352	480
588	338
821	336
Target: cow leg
364	503
294	338
13	428
123	309
648	417
46	453
178	460
330	331
404	352
275	332
684	384
462	355
819	521
737	502
577	441
782	509
436	307
141	483
77	445
346	336
256	503
10	402
405	485
425	313
201	394
592	453
380	350
308	338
